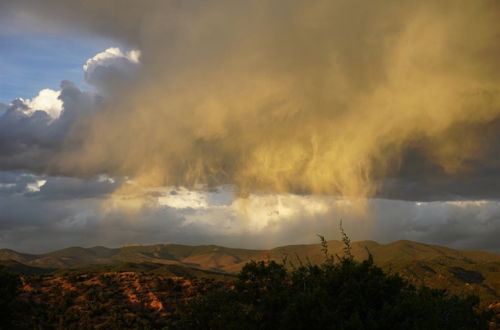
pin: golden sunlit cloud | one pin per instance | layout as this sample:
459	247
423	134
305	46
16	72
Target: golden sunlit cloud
323	97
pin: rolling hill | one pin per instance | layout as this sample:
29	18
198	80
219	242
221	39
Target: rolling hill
461	272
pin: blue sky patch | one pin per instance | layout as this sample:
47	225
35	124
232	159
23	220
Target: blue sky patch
29	62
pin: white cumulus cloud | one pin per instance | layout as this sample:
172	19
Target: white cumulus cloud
47	100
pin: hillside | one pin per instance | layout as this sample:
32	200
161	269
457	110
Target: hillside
461	272
127	296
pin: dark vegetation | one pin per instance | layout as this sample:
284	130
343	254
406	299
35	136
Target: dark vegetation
9	291
340	292
127	296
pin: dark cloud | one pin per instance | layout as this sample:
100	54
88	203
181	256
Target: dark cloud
3	108
41	204
15	182
481	186
30	139
60	188
462	225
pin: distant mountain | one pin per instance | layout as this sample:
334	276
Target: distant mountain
18	267
475	272
6	254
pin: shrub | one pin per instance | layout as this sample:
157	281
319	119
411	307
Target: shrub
342	294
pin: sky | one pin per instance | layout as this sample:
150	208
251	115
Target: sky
248	124
31	62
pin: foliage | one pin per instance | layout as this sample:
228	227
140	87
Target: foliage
346	294
9	289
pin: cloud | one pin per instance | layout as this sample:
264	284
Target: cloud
47	100
66	211
111	67
33	132
36	133
43	212
462	225
3	108
298	108
336	97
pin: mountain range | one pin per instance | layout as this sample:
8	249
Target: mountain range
461	272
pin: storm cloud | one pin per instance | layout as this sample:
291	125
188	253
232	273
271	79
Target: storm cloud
259	123
336	97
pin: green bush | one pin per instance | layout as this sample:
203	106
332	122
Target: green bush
338	294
